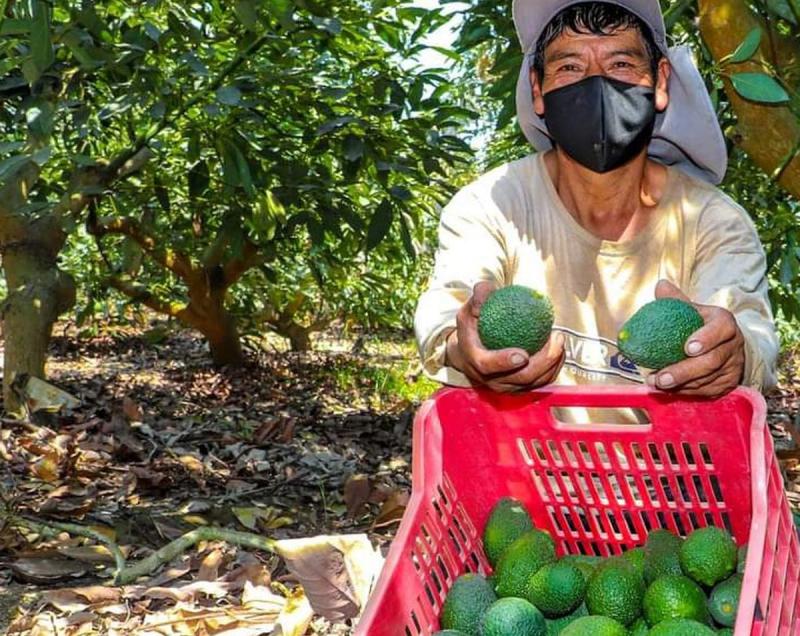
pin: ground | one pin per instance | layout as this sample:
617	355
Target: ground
292	445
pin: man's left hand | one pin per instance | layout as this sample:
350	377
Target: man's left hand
715	365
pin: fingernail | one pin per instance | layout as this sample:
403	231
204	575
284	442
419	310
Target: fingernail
517	358
694	347
665	380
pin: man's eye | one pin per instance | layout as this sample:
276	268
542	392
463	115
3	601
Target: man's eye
569	68
623	65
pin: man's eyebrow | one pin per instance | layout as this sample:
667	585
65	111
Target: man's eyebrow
561	55
632	52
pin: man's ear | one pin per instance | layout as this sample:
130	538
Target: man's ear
662	84
536	93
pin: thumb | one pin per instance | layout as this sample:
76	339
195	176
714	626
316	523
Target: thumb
665	289
480	293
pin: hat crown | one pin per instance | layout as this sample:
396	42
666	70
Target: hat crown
532	16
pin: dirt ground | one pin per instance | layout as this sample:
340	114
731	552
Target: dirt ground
292	445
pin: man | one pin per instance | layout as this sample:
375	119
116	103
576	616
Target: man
617	208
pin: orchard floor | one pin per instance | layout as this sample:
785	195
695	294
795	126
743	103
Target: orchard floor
291	445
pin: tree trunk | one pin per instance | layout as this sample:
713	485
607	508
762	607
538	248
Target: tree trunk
299	337
206	312
37	294
768	133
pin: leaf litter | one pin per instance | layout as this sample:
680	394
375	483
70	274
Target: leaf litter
159	443
162	444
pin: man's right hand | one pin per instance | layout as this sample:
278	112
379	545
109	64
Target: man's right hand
504	370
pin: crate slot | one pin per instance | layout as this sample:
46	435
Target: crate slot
616	488
523	450
598	487
602	455
706	455
416	622
693	521
476	562
726	521
588	462
584	488
631	524
539	484
715	488
437	508
539	450
555	454
633	490
554	486
569	453
443	568
429	594
457	545
685	495
638	455
672	455
666	490
568	486
699	489
679	525
442	497
619	453
688	454
655	457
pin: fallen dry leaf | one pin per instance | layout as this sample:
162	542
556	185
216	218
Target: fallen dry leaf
336	572
47	570
295	617
356	494
392	509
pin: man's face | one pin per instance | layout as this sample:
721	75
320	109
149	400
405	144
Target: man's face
620	55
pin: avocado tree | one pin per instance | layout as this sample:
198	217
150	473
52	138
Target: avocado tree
200	142
749	54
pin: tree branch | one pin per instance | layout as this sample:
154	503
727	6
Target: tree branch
251	257
146	297
177	262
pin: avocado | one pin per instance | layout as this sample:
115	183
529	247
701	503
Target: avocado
674	597
724	600
507	522
557	625
466	602
595	626
681	627
655	336
661	555
556	589
515	317
513	616
709	555
616	590
521	560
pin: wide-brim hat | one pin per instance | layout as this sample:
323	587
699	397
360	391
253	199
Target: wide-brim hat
686	134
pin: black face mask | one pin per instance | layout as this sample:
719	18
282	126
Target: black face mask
601	123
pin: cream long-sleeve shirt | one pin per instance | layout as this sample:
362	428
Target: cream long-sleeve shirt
510	227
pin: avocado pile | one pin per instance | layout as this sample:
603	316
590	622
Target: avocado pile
668	587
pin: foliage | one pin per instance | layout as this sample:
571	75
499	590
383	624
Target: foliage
288	144
489	46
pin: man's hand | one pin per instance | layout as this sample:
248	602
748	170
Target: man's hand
504	370
715	365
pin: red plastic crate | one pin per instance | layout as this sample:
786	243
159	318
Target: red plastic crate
598	489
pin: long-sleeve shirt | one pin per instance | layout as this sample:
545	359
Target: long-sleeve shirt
510	227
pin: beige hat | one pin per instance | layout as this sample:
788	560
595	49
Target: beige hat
687	134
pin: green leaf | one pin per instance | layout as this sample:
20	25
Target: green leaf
198	179
405	235
333	124
14	26
400	192
379	224
162	194
39	118
759	87
9	167
41	46
246	12
353	148
748	46
783	9
229	95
